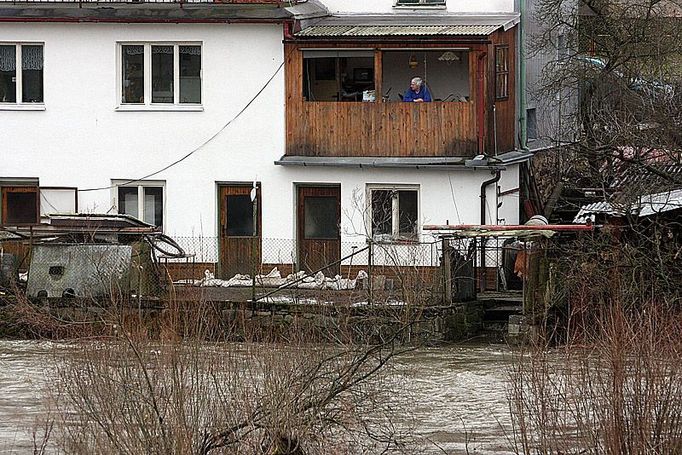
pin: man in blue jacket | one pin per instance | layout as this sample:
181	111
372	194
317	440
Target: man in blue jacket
417	93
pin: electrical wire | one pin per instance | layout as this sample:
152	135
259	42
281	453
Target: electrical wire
454	200
203	144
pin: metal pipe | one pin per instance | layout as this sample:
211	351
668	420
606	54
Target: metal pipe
484	187
509	227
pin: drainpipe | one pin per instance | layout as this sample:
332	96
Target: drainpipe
521	89
484	187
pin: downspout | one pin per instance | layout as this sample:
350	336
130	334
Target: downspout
521	89
484	187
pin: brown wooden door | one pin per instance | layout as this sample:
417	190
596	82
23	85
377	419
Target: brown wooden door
319	228
240	250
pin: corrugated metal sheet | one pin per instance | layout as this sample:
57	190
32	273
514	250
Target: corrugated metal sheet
650	204
660	202
398	30
586	211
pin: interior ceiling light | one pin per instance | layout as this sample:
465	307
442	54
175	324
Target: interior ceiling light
449	57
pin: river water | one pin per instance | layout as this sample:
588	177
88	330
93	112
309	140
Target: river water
457	393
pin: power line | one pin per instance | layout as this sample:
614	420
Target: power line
196	149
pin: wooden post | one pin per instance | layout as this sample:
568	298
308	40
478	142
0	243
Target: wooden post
447	272
254	203
378	75
370	253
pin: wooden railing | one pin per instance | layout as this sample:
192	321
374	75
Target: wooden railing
381	129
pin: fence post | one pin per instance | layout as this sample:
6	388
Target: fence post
447	272
369	271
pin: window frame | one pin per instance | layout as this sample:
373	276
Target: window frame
438	4
531	126
140	185
148	105
20	104
504	73
18	188
395	236
360	52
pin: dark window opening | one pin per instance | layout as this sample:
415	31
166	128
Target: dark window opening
501	72
407	213
162	74
32	74
531	123
127	201
133	74
382	212
20	205
321	218
240	216
8	74
338	76
190	74
153	205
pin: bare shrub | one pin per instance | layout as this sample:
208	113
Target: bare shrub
615	387
285	394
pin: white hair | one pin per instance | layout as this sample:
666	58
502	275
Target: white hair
417	81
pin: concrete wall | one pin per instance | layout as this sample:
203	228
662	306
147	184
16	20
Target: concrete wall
81	139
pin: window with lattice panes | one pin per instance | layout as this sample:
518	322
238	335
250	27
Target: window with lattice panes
501	72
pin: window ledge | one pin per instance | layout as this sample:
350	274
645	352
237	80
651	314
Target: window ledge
159	108
22	107
417	6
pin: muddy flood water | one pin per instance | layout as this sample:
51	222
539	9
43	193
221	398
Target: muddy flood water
457	394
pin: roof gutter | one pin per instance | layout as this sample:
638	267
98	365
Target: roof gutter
123	20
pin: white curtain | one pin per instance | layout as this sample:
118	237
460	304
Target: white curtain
32	57
8	58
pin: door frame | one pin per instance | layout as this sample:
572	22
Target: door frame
298	227
220	223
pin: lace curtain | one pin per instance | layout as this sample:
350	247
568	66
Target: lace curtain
31	58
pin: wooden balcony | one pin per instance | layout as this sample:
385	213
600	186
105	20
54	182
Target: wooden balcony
346	129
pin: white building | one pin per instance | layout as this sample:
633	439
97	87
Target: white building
170	112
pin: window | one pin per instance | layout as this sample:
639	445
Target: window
419	2
531	123
501	72
321	220
20	205
240	216
160	74
21	73
330	75
394	213
143	200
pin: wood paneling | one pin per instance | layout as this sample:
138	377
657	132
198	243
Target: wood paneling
382	129
505	110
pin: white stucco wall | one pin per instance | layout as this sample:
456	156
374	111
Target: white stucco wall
388	6
81	140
